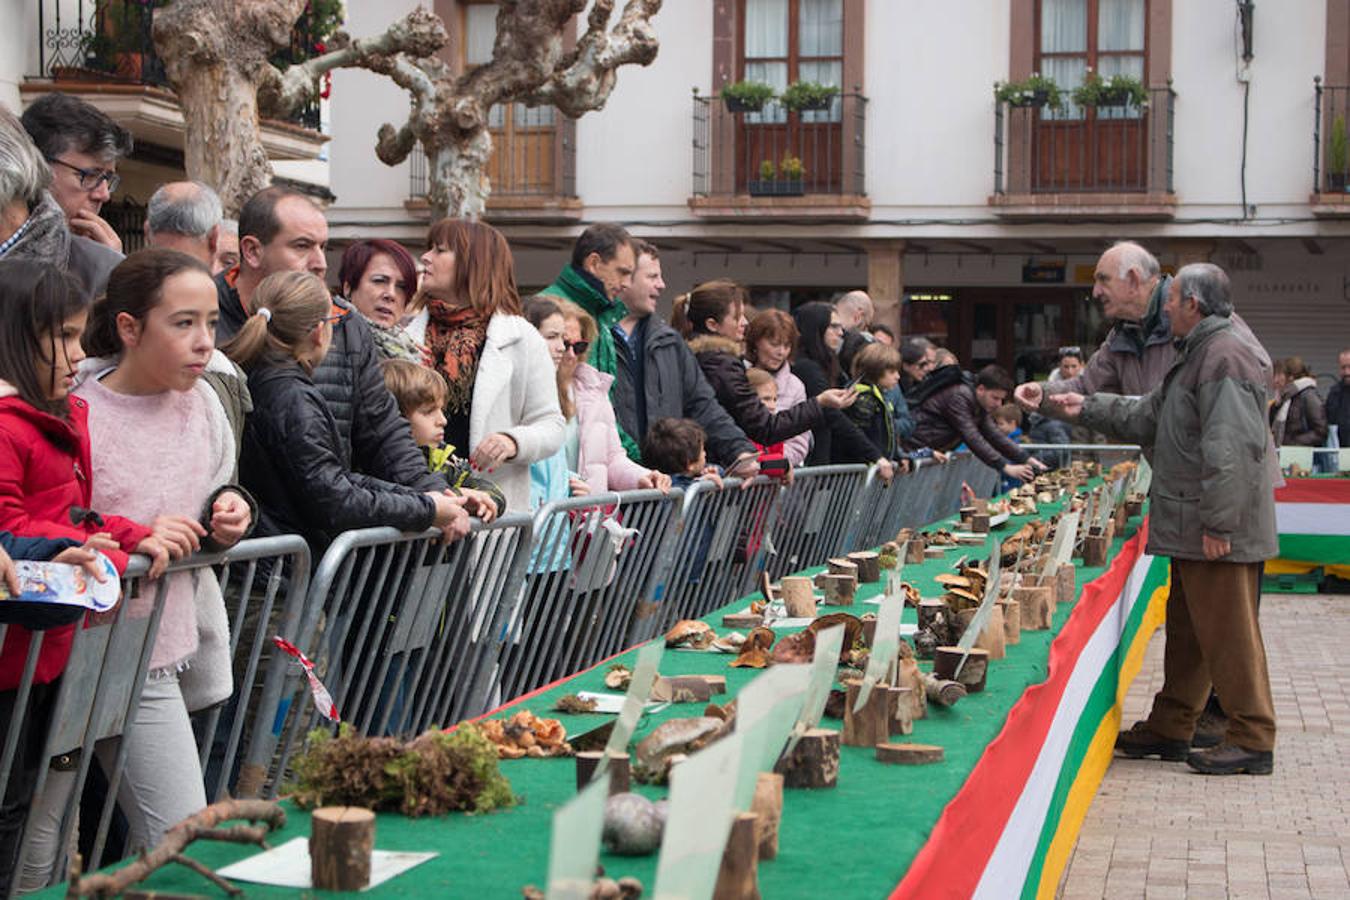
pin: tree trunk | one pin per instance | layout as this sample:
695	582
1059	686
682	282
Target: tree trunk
216	56
222	143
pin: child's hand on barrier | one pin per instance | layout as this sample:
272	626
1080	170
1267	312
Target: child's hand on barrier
451	516
158	552
179	535
85	558
230	518
710	473
479	503
654	480
8	573
576	487
885	469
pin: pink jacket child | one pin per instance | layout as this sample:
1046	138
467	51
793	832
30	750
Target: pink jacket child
601	461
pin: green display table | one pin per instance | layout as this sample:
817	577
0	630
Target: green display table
861	838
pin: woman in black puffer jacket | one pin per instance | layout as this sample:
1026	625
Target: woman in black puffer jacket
292	457
838	439
712	319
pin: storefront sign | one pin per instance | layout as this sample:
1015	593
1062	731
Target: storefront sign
1043	273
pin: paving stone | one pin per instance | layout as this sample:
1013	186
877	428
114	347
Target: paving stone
1280	837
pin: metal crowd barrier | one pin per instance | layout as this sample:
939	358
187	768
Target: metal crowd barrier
719	549
403	629
265	583
814	516
591	573
96	698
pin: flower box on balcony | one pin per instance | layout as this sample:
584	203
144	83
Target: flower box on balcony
777	188
746	96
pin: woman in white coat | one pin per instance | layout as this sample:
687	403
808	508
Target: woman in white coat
502	407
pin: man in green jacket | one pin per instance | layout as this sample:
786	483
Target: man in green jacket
601	268
1212	510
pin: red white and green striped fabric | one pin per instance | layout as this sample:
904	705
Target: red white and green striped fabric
1011	828
1312	516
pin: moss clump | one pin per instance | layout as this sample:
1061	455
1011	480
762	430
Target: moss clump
430	775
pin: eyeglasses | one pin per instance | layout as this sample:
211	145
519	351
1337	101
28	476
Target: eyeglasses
1071	351
327	319
90	179
577	347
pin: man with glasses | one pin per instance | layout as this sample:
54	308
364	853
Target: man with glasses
82	146
32	224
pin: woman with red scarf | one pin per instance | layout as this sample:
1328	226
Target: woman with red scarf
502	407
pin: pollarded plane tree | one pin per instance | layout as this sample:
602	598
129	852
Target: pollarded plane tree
217	56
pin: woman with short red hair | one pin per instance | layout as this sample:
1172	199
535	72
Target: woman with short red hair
770	339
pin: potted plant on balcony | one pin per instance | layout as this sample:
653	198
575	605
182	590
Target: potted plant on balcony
1035	92
803	96
786	179
1118	90
1338	156
746	96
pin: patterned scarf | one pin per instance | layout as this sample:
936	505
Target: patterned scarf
456	336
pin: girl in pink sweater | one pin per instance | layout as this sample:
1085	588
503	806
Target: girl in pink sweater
165	451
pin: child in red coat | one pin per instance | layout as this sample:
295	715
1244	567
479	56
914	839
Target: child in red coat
45	486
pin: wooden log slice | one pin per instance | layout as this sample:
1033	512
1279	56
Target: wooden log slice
1033	607
1012	621
620	770
869	566
814	762
738	877
973	674
841	566
870	725
799	597
909	754
839	590
767	804
341	841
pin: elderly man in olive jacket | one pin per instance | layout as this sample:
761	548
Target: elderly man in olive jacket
1212	510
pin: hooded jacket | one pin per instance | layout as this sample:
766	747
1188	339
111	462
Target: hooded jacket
45	471
1298	418
293	462
1213	470
673	387
372	437
720	360
601	459
948	413
46	238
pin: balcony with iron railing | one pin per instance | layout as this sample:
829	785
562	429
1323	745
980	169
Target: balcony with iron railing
104	52
1331	150
1106	161
780	163
532	171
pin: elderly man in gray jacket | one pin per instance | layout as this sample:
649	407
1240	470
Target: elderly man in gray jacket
1212	510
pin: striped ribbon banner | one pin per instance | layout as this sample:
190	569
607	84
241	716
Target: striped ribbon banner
1011	828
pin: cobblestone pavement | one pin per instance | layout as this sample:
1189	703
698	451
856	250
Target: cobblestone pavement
1158	831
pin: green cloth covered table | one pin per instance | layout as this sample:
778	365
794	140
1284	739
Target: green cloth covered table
854	840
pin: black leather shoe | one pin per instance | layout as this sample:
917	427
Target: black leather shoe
1230	759
1209	730
1141	741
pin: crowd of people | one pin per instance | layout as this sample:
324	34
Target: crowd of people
216	385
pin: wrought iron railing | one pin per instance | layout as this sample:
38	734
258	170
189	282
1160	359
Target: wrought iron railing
112	39
777	151
1103	149
1331	146
533	155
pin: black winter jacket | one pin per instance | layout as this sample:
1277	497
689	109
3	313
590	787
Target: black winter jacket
949	413
372	436
838	439
722	366
294	463
674	387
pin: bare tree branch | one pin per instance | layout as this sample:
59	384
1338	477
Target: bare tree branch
418	34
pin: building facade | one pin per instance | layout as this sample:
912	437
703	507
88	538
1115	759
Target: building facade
970	219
